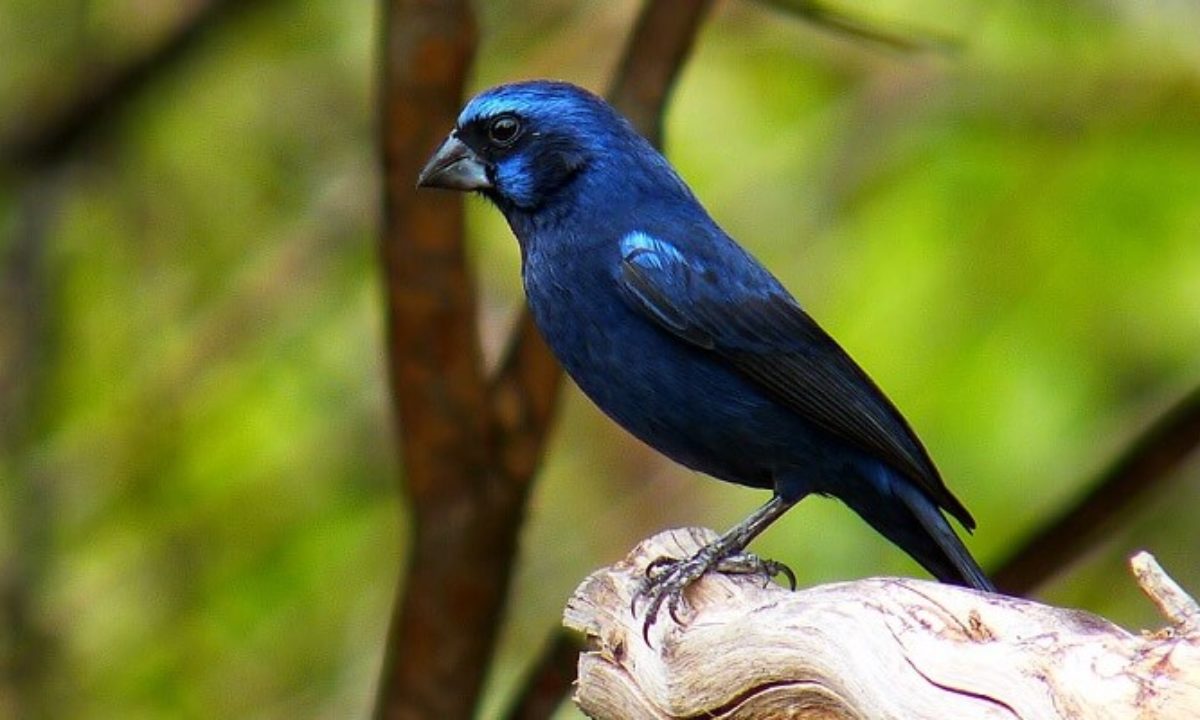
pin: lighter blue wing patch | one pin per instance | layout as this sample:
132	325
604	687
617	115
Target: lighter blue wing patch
649	252
655	278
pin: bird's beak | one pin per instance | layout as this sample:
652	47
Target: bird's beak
455	167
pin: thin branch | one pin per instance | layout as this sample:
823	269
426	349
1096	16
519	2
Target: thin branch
549	679
529	378
29	641
1173	602
1146	467
856	28
101	98
661	41
523	395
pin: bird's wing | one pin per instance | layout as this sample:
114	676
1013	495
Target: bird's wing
756	326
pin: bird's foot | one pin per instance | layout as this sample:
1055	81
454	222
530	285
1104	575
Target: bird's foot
667	578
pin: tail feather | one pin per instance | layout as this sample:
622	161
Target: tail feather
967	571
905	515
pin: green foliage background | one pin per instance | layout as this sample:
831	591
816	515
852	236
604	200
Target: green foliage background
198	502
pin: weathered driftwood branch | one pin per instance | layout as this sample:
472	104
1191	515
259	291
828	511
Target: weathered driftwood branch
877	648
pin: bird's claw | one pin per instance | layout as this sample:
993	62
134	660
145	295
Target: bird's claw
667	578
750	564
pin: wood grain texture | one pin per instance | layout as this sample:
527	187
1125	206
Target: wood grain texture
876	648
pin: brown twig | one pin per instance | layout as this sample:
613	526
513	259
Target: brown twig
549	678
1173	602
661	41
522	397
1145	467
29	641
855	28
50	139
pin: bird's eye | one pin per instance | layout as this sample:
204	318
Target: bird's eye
503	131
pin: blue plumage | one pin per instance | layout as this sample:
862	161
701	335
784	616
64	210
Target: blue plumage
681	336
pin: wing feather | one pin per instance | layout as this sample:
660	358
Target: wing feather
753	324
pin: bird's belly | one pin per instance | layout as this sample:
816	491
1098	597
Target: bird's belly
680	399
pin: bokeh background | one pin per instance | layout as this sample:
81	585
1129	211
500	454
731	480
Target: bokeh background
199	513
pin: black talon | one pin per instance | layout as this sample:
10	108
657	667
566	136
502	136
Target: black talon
673	608
646	630
781	569
657	564
772	569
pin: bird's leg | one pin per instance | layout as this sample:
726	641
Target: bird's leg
667	578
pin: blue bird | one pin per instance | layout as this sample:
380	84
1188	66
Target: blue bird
681	336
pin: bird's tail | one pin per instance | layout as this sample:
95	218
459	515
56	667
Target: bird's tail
962	569
913	521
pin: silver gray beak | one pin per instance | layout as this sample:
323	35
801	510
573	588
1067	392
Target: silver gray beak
455	167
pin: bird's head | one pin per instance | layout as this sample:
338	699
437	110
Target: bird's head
522	144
